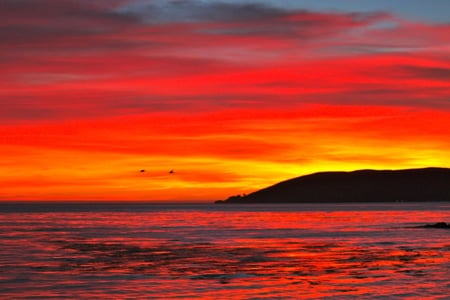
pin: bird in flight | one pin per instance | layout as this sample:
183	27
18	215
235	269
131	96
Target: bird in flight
142	171
171	171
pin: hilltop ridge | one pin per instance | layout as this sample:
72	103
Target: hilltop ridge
426	184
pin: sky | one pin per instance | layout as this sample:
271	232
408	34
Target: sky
232	96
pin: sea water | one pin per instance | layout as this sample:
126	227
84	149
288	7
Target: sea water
148	251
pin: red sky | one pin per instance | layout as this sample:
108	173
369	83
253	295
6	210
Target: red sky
232	96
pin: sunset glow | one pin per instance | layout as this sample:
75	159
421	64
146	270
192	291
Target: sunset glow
233	96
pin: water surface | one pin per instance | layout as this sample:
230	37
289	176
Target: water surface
327	251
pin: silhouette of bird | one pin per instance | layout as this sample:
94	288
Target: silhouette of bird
142	171
171	172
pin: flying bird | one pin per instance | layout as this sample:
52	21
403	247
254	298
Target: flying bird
171	172
142	171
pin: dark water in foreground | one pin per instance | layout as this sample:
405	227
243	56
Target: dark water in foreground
113	251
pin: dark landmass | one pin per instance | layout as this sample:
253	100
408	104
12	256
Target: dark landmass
442	225
428	184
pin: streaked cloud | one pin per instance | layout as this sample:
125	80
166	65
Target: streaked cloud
215	87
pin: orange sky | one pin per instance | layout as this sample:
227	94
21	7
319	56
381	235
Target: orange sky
93	93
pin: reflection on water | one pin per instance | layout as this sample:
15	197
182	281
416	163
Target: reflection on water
214	252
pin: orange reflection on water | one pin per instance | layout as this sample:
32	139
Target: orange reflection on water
220	254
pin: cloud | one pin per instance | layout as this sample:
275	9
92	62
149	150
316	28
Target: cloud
180	28
90	24
50	23
68	59
162	11
247	19
421	72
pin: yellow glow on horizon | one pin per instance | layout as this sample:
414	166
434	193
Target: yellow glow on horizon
105	165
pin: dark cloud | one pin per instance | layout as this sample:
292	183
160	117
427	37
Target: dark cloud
385	96
254	19
29	22
421	72
72	25
196	11
20	112
13	11
166	11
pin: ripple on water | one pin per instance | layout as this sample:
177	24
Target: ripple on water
254	255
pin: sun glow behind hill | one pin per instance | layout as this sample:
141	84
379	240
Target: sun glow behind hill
213	154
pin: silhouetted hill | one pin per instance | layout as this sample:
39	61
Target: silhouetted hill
429	184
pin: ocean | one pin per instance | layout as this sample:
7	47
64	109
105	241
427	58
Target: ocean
207	251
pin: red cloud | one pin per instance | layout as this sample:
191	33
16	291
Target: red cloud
69	59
